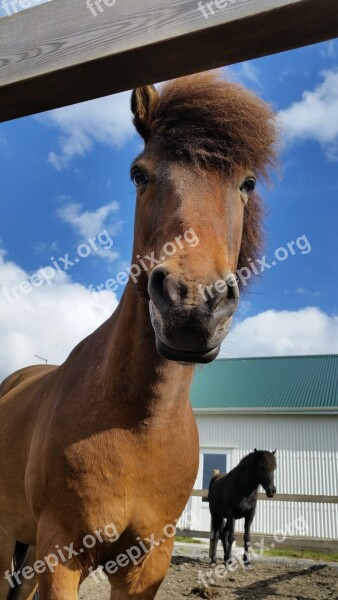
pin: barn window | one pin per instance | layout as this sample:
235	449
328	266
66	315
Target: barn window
211	462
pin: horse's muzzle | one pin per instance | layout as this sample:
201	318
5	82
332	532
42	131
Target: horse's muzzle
188	328
270	492
186	356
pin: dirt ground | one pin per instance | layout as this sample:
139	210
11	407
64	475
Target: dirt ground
269	579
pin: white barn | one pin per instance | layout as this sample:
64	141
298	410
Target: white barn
288	403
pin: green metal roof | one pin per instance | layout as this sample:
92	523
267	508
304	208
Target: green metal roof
281	383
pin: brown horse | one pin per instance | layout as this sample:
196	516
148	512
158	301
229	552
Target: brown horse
99	455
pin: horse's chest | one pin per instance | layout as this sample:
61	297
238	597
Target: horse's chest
246	505
118	476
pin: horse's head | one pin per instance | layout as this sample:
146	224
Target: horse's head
265	470
198	219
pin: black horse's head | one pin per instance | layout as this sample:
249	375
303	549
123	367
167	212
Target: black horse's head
265	470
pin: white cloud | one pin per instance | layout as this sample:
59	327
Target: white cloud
315	116
329	49
244	73
277	333
248	72
49	321
89	224
303	292
106	120
43	248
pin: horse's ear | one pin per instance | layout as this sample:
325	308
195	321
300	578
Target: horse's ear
255	451
274	452
142	101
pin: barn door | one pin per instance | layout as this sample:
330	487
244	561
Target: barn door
210	459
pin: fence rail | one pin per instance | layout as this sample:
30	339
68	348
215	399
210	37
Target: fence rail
293	542
283	497
64	52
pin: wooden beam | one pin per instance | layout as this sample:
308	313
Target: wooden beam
194	533
299	543
283	497
300	498
59	53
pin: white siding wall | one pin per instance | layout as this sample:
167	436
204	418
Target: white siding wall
307	455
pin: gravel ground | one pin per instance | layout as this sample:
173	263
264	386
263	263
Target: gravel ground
190	576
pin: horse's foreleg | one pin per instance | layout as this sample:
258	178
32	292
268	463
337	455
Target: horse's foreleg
228	537
143	581
61	584
217	524
247	525
59	577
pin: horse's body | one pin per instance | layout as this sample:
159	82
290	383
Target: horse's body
106	445
113	468
233	496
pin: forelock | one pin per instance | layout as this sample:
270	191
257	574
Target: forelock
214	123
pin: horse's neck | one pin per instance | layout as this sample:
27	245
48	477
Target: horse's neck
248	479
135	375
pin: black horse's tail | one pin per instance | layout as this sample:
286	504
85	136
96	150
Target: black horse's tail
213	479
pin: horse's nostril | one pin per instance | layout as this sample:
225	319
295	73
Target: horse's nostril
232	293
227	293
156	282
165	287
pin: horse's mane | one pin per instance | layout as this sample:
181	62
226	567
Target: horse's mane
267	459
215	124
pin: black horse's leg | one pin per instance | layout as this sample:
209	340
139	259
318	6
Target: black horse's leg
231	536
224	540
24	556
247	525
228	536
216	527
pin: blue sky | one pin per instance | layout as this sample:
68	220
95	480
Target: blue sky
65	178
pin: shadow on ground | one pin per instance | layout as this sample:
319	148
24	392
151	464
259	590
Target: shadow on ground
254	590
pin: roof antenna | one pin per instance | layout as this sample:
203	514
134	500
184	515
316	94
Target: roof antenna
41	358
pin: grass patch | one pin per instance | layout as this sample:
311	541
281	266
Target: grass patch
312	554
187	540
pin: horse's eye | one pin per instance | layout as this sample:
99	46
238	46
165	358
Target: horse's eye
138	176
248	185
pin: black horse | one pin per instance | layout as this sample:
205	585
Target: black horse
234	496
